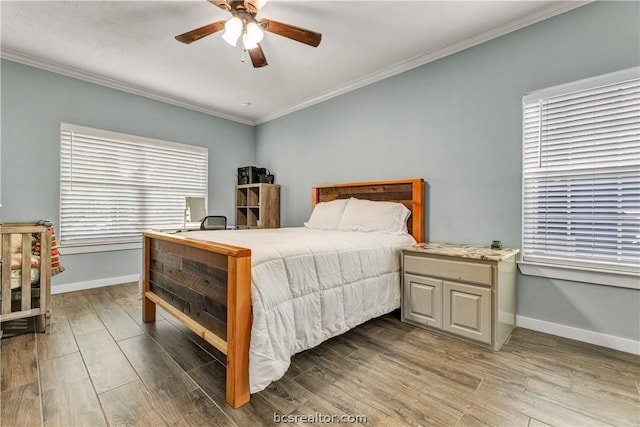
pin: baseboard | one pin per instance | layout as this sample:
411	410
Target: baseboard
597	338
108	281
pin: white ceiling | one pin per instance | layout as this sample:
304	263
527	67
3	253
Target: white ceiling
130	45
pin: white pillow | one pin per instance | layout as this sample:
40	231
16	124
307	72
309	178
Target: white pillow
367	215
327	215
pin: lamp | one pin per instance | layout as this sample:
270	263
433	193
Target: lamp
233	29
252	36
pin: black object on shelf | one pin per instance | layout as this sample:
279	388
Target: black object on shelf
250	174
266	178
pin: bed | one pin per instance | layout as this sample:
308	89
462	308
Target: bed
316	282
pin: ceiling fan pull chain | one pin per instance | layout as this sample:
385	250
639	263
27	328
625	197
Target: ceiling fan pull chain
242	51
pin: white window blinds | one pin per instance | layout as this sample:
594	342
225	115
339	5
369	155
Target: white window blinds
115	186
581	174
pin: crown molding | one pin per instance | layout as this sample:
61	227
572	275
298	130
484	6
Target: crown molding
540	15
525	21
75	73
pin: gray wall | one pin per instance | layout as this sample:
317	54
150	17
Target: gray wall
34	102
456	122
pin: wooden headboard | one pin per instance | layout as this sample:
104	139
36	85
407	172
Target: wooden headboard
409	192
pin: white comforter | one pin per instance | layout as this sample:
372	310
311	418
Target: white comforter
310	285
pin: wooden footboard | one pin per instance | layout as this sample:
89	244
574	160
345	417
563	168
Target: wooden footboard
207	286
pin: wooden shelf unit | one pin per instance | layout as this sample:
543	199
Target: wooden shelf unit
258	206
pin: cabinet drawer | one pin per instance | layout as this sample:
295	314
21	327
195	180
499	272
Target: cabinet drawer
449	269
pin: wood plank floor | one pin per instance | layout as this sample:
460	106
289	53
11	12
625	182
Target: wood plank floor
100	365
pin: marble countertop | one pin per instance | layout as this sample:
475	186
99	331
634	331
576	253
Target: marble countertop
463	251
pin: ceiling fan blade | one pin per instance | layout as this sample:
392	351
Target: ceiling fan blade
257	57
198	33
298	34
254	6
222	4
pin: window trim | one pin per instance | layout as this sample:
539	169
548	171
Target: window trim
87	249
576	274
624	279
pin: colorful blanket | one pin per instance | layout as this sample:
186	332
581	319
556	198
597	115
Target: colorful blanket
55	256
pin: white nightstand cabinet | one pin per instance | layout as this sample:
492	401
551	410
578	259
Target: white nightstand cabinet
460	290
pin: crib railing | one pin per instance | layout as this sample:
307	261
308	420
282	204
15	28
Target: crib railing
20	297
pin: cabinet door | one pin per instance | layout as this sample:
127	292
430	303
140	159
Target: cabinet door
422	300
467	311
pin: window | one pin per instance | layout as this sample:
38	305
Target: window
581	180
115	186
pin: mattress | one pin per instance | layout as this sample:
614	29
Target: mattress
310	285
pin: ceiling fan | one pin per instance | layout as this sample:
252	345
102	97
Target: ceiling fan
244	23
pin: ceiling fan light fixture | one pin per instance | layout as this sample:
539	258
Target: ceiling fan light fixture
233	29
247	42
252	36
